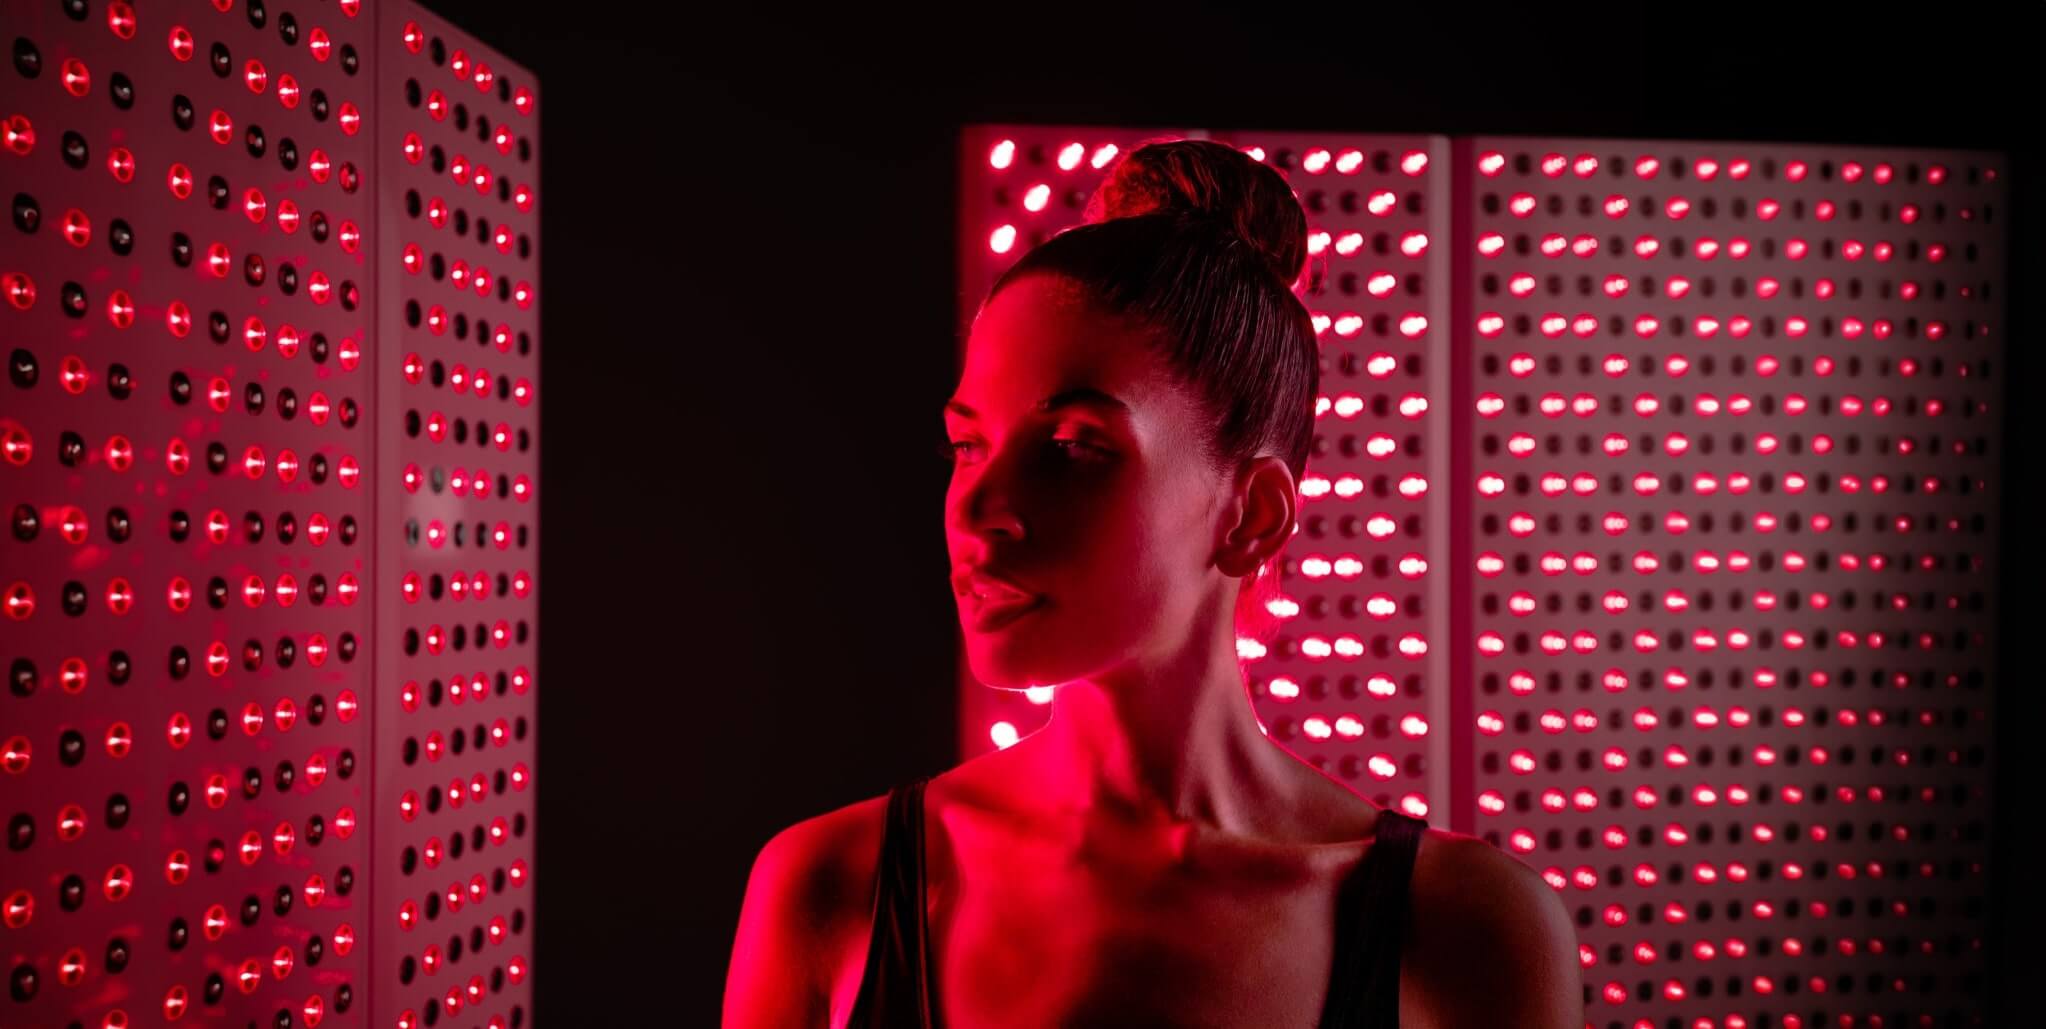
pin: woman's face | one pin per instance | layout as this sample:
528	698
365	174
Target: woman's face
1106	509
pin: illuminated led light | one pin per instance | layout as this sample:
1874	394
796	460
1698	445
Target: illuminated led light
1037	197
1316	161
117	882
1071	155
1491	163
1002	239
1349	161
1414	162
76	78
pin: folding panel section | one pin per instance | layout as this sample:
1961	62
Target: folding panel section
269	459
459	455
1729	472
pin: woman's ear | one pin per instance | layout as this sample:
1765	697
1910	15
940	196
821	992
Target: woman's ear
1261	518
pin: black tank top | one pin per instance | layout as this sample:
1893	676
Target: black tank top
899	988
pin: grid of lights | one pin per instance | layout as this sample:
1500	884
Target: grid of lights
270	451
459	160
1731	468
1647	536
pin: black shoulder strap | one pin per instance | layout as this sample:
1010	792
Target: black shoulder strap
1371	914
893	991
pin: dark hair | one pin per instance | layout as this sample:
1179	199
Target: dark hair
1198	243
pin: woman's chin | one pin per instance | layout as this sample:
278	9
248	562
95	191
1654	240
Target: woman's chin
1001	667
1000	674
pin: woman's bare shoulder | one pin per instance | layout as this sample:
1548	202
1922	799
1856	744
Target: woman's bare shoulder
805	905
839	850
1491	941
843	847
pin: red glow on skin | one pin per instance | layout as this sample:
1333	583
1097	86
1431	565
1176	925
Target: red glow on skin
1077	504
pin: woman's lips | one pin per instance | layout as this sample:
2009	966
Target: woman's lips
996	612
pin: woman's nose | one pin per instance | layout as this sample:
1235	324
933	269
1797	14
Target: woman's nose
984	507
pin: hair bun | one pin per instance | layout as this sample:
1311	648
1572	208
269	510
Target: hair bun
1203	178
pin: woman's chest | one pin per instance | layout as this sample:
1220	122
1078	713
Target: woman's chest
1023	938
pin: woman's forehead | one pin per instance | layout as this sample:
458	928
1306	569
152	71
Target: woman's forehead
1037	337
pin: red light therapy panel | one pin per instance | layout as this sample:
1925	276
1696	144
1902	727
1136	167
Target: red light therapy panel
1648	535
1357	679
1728	470
268	454
459	248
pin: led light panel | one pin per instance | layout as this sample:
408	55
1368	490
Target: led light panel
1727	481
268	455
1648	535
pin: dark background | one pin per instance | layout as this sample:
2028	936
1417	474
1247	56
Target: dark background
747	251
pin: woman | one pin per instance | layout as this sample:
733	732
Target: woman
1135	411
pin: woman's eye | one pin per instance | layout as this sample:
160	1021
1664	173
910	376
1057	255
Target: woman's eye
949	449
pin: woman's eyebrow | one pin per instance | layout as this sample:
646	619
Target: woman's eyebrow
1078	395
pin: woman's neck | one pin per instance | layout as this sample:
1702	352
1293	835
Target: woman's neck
1174	743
